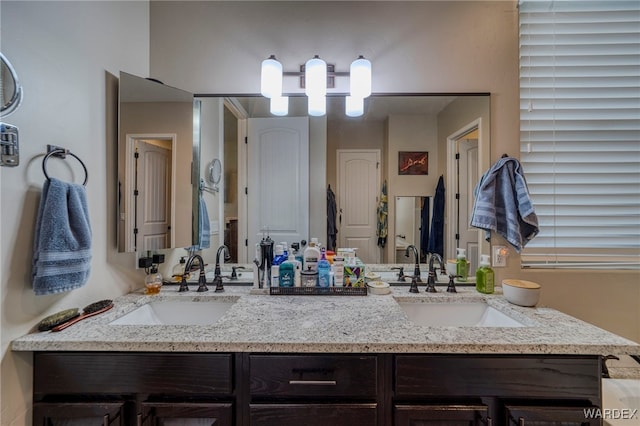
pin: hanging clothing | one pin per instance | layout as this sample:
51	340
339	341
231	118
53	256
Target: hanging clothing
383	215
502	204
424	226
436	236
332	226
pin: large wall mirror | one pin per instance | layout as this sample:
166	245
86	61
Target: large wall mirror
155	154
352	156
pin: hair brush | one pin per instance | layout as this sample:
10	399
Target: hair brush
89	311
58	318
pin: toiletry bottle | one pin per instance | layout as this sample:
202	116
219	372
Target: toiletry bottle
311	256
338	271
153	281
254	267
287	272
324	270
461	265
297	274
484	276
278	259
178	270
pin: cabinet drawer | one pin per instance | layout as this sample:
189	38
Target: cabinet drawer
519	376
75	413
313	414
550	416
118	373
451	414
313	375
185	413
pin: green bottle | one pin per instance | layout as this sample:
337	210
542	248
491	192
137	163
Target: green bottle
485	281
462	270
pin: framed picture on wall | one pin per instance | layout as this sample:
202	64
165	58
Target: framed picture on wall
413	163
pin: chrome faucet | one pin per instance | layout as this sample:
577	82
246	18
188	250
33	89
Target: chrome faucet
431	280
202	279
416	268
217	279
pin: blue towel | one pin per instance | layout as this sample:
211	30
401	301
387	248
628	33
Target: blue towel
203	226
62	244
503	204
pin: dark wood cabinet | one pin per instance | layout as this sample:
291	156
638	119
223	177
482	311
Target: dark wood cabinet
79	413
185	414
309	414
258	389
441	414
550	416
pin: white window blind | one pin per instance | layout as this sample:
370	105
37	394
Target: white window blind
580	131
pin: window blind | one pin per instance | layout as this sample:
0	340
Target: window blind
580	131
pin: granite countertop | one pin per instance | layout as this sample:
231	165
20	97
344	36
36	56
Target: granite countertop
353	324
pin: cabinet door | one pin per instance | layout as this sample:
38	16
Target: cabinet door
551	416
185	414
449	415
78	414
313	415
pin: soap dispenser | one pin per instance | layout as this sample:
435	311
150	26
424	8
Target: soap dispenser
485	281
178	271
461	265
153	281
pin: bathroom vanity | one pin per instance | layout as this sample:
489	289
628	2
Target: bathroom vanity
319	360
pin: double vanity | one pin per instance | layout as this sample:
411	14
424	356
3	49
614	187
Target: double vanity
237	358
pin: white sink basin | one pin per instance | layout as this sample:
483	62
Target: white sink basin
472	314
175	312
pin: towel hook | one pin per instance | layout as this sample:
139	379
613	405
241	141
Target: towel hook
60	152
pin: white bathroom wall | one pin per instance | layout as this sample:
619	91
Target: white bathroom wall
62	52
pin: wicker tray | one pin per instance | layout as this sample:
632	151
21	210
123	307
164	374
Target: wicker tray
318	291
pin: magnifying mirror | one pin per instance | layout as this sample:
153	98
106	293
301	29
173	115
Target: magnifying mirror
214	172
10	89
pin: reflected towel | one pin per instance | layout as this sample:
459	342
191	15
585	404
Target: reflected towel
204	226
62	243
502	204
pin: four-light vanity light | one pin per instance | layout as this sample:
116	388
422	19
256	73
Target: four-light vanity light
315	74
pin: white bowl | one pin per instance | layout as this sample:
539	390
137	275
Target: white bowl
521	292
372	276
379	287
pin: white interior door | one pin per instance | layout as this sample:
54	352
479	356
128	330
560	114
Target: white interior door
358	190
467	180
154	195
278	179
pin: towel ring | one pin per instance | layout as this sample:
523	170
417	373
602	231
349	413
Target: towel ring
62	153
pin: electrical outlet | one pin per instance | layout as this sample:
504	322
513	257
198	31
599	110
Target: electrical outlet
499	256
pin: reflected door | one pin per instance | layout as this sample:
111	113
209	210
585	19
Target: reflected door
358	191
153	205
278	179
467	181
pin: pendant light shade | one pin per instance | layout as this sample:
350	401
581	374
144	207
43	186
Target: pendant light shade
271	78
315	77
354	106
279	105
360	78
317	105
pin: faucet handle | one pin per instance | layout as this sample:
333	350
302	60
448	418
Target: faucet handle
234	274
401	276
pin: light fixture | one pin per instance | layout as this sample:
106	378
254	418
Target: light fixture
315	77
317	105
360	78
279	105
271	78
354	106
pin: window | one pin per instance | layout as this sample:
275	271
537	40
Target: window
580	131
